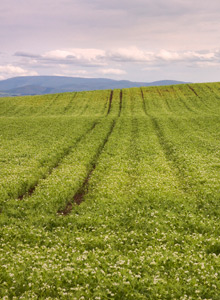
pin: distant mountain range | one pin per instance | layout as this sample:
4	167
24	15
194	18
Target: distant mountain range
40	85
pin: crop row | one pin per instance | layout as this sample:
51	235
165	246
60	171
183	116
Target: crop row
136	235
76	104
148	225
38	146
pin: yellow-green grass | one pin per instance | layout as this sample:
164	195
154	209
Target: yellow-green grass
144	165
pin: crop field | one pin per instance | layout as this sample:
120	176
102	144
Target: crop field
111	194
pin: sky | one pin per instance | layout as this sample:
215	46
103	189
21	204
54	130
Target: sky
138	40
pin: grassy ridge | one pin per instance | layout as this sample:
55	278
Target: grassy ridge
145	164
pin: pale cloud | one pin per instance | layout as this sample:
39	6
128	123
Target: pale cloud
203	56
26	54
130	54
80	72
76	56
72	75
118	62
89	55
205	64
112	71
168	55
143	38
7	71
189	56
70	72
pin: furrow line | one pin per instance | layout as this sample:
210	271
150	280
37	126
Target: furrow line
78	198
185	105
181	91
51	103
70	102
183	101
120	106
30	191
213	91
168	152
144	104
85	107
105	106
168	105
110	102
192	89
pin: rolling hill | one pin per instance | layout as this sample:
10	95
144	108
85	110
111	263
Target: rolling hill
40	85
111	194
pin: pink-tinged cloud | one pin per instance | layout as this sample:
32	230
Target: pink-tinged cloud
144	38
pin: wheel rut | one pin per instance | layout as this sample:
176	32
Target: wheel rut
53	100
120	105
31	190
192	89
70	103
168	152
144	104
79	196
110	102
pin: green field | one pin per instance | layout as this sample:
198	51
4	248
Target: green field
111	194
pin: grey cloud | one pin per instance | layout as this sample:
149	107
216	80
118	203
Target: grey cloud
83	57
47	60
157	8
130	33
143	7
124	63
25	54
84	23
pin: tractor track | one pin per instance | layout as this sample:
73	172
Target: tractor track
79	196
192	89
168	152
70	103
120	105
53	100
31	190
110	102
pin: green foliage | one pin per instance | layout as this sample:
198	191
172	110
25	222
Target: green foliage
145	164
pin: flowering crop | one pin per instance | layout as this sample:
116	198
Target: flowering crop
145	163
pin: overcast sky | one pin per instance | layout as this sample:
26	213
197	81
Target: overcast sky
139	40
